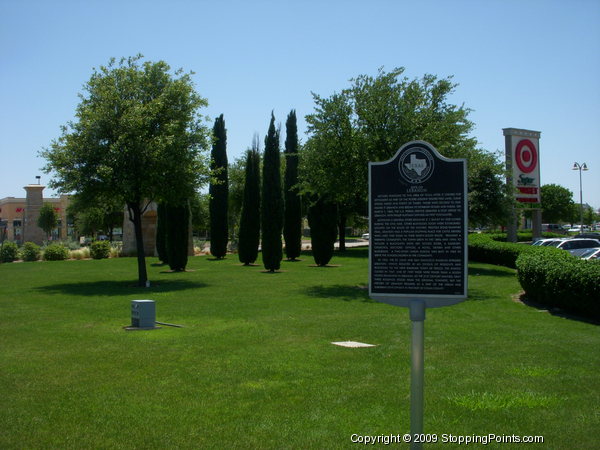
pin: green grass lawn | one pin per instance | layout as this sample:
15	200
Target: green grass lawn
254	366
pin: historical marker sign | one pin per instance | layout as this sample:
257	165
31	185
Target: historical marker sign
418	227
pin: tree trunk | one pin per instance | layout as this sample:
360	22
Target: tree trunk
342	231
136	217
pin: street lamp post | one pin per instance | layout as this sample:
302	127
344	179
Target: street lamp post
580	167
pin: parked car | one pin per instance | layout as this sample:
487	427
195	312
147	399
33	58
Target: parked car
579	251
578	229
365	236
550	241
553	228
572	244
589	235
590	253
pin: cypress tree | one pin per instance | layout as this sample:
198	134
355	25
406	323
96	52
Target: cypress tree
292	225
161	232
272	202
177	235
322	219
219	191
249	237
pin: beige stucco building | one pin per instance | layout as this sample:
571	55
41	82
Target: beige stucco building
18	216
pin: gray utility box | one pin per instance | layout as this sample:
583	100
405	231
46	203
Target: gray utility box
143	313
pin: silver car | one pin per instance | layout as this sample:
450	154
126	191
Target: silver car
573	244
590	253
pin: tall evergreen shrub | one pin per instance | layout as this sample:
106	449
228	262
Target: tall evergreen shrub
292	225
322	220
177	236
249	236
272	202
219	191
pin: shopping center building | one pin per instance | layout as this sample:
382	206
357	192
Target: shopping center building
19	216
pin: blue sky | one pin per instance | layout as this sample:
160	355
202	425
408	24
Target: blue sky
525	64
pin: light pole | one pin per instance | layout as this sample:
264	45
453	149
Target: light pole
580	167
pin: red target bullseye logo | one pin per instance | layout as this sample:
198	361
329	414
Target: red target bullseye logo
526	156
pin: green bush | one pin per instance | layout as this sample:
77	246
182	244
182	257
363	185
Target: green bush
56	252
30	252
522	236
556	279
483	248
100	249
9	252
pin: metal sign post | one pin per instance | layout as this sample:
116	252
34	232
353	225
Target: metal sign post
417	368
418	243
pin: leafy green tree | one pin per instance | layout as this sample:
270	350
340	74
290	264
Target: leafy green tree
177	234
137	137
200	214
589	215
237	177
103	214
292	226
272	201
219	192
331	162
323	229
48	219
370	121
488	198
557	204
250	217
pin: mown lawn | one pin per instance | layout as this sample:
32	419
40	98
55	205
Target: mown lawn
254	366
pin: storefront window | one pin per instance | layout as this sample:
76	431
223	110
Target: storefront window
55	235
17	231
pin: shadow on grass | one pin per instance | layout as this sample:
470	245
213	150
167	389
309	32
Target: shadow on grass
350	252
110	288
478	295
555	311
475	271
343	292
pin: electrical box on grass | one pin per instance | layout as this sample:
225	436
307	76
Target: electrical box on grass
143	313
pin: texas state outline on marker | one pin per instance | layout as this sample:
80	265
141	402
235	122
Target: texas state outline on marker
418	165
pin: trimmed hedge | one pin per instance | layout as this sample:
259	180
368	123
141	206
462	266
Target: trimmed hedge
555	278
522	236
548	275
100	249
56	252
483	248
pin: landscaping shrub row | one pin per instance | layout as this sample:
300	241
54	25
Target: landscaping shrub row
484	248
556	279
522	236
10	252
548	275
